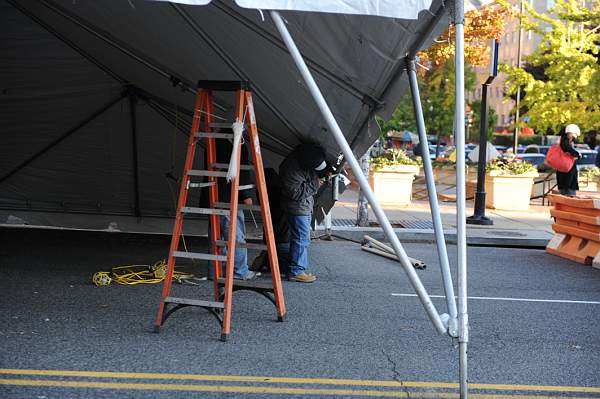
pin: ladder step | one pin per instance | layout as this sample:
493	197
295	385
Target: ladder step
212	135
226	166
246	187
201	185
227	205
221	125
249	284
205	211
248	245
198	255
194	302
212	173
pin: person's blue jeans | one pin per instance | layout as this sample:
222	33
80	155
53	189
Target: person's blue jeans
299	242
240	262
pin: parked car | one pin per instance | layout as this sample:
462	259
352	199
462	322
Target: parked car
501	149
544	149
587	160
535	159
581	146
441	151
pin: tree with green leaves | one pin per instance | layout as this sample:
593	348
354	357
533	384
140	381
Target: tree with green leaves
568	90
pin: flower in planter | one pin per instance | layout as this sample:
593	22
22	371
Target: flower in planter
391	158
509	166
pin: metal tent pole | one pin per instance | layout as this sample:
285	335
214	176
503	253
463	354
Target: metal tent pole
433	201
439	322
461	226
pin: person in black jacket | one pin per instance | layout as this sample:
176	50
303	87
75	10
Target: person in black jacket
281	228
567	181
299	183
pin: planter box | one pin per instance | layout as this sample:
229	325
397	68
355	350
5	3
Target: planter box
393	185
509	192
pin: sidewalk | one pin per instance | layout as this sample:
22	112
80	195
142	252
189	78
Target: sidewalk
528	228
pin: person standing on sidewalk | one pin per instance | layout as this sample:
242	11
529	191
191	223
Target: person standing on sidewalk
299	183
567	181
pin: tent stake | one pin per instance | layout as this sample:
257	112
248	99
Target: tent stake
434	316
433	201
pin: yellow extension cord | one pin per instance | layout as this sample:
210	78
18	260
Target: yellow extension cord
138	274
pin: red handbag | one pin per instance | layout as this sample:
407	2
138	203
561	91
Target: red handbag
559	160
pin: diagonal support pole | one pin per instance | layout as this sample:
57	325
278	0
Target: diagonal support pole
59	139
433	201
438	321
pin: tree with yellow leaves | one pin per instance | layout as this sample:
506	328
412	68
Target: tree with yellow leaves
569	89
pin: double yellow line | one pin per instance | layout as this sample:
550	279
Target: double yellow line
405	389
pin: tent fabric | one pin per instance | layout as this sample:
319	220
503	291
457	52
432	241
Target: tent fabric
406	9
63	61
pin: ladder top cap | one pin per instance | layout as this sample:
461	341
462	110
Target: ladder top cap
224	85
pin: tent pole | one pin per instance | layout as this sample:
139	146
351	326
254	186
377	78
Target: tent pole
134	148
59	139
434	316
433	201
461	231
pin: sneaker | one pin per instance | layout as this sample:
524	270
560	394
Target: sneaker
249	276
302	278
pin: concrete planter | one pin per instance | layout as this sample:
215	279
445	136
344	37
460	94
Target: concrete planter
509	192
392	185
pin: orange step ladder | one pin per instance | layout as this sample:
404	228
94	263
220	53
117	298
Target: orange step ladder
203	127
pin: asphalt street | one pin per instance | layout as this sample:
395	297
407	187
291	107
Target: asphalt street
356	332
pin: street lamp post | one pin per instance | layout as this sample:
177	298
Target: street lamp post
479	212
518	105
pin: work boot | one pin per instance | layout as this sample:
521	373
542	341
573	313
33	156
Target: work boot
302	278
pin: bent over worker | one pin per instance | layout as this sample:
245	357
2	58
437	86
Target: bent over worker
299	183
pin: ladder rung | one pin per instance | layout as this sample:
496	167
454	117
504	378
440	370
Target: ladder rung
201	185
214	135
198	255
226	166
221	125
227	205
205	211
248	245
250	284
213	173
246	187
194	302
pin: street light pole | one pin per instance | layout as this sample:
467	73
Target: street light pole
479	212
516	134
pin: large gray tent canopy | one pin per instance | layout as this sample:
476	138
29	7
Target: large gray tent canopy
97	96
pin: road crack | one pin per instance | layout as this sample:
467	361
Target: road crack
395	371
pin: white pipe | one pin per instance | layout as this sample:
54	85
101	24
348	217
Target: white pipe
461	228
434	316
432	193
